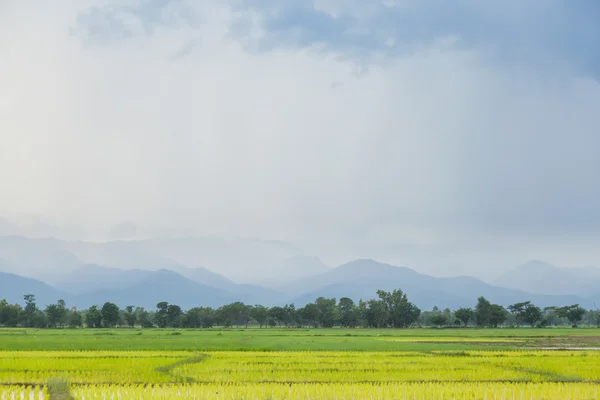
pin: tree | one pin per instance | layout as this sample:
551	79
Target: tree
110	315
30	309
144	318
56	314
260	314
464	315
532	314
326	312
402	313
438	319
75	318
160	318
498	315
174	316
290	314
574	313
361	313
348	314
308	315
93	317
482	311
9	314
199	317
525	312
130	316
277	314
53	314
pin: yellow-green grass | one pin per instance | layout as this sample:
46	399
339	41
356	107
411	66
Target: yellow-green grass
335	391
292	375
102	367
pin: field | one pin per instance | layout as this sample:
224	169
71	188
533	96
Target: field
303	364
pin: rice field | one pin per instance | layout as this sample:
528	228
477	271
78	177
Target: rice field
492	371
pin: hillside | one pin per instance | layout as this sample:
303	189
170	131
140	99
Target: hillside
361	278
543	278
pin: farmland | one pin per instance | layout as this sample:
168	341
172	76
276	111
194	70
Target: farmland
303	364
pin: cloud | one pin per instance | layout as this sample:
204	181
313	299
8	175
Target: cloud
355	128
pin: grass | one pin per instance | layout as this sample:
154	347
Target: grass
255	339
58	389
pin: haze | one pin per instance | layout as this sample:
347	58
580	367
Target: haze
455	140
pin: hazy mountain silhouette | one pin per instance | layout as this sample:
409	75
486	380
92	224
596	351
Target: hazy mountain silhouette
542	278
361	278
294	268
162	285
145	272
241	259
14	287
92	278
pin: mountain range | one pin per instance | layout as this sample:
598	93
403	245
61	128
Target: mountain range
302	279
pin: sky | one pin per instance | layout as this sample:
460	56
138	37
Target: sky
456	137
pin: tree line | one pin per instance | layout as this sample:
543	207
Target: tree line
388	310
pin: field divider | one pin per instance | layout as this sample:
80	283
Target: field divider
168	369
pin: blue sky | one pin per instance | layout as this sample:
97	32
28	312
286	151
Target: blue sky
511	31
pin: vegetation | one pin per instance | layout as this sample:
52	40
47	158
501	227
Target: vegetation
292	375
327	349
388	310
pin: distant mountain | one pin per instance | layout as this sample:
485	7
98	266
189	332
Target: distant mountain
294	268
89	280
542	278
205	277
361	278
14	287
162	285
92	278
245	260
250	294
35	258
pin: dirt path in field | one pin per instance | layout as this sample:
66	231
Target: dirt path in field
168	369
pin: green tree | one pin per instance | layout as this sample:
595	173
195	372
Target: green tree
438	319
402	313
110	315
308	315
290	314
377	315
9	313
497	316
483	311
348	314
93	317
277	314
199	317
75	318
144	318
574	313
130	316
53	314
464	315
29	310
532	314
260	314
518	309
160	317
174	316
326	312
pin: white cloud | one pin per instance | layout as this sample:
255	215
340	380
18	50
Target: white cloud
178	126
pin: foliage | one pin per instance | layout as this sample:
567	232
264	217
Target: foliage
464	315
